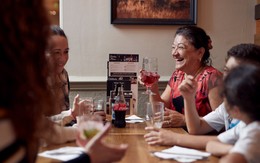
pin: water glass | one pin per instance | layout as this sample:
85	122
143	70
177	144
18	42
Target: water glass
158	114
99	105
148	114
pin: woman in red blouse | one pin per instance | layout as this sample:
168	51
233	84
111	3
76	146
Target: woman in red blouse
190	50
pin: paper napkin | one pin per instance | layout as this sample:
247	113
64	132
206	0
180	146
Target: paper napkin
133	119
181	154
63	154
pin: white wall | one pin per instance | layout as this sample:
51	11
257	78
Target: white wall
92	37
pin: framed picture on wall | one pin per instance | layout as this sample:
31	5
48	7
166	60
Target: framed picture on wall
154	12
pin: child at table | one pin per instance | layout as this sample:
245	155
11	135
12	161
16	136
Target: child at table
241	97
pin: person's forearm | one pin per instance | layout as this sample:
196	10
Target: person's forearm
192	141
214	98
61	135
217	148
233	157
58	117
68	134
156	96
191	116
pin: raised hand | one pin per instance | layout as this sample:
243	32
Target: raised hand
100	151
188	87
75	107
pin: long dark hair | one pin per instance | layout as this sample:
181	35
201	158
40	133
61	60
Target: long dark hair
242	89
25	96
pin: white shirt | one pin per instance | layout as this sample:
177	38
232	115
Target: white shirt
219	118
232	135
246	139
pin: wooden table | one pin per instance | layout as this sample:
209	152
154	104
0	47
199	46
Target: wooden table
138	150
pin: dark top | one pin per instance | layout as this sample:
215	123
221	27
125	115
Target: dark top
9	150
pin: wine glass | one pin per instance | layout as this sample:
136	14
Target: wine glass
149	73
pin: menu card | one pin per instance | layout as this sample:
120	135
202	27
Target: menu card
123	69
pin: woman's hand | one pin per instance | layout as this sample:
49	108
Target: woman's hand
159	136
188	87
100	151
141	77
102	114
173	118
218	148
75	108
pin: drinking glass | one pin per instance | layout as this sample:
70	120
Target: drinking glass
99	105
149	73
158	114
148	114
88	126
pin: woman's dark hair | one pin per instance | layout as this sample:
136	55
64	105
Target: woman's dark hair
198	38
56	30
24	89
245	53
242	89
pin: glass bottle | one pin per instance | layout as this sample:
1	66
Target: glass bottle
112	102
120	108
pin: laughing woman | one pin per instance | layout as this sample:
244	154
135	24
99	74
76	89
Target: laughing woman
190	50
59	51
